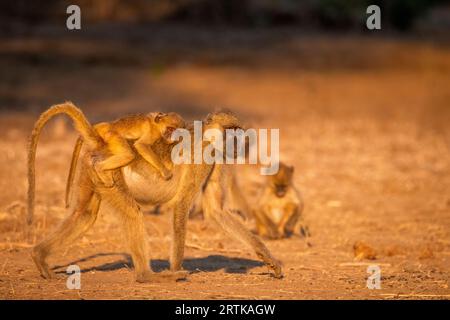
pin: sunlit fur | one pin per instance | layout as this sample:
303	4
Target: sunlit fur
280	206
140	183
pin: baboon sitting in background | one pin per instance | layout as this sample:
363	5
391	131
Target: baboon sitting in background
280	206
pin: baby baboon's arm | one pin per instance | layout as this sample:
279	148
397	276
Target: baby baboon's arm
146	151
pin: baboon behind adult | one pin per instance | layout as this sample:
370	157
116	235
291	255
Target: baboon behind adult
139	184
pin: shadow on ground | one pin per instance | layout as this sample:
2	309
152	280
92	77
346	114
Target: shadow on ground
206	264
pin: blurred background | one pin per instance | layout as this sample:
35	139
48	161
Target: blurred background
121	42
364	118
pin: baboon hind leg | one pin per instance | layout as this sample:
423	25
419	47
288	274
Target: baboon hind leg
80	220
235	228
120	154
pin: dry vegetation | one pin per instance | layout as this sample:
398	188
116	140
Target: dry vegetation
364	121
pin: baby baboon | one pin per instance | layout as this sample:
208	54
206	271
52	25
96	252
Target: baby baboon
144	131
139	183
280	206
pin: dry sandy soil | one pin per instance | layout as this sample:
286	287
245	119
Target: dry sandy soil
364	121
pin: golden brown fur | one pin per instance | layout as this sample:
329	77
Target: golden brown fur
73	166
280	206
140	183
81	124
143	131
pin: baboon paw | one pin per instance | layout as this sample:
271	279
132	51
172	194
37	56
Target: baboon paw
282	234
273	236
105	177
42	266
108	184
145	277
161	277
276	268
106	180
167	175
178	275
46	273
304	231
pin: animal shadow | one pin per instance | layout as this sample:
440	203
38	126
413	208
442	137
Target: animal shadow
210	263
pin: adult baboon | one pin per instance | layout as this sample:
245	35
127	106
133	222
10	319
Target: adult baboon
139	183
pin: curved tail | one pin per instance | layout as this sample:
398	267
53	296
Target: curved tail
82	125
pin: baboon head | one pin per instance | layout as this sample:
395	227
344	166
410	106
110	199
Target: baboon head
282	180
168	123
223	120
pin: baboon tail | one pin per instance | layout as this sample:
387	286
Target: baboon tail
81	124
72	170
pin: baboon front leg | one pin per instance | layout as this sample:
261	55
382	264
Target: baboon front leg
235	228
288	220
265	226
182	204
82	218
295	223
179	224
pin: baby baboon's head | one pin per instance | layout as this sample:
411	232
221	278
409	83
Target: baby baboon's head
168	123
282	180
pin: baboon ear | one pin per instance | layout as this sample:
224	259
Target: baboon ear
159	117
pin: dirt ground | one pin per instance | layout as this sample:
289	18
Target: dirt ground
363	120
